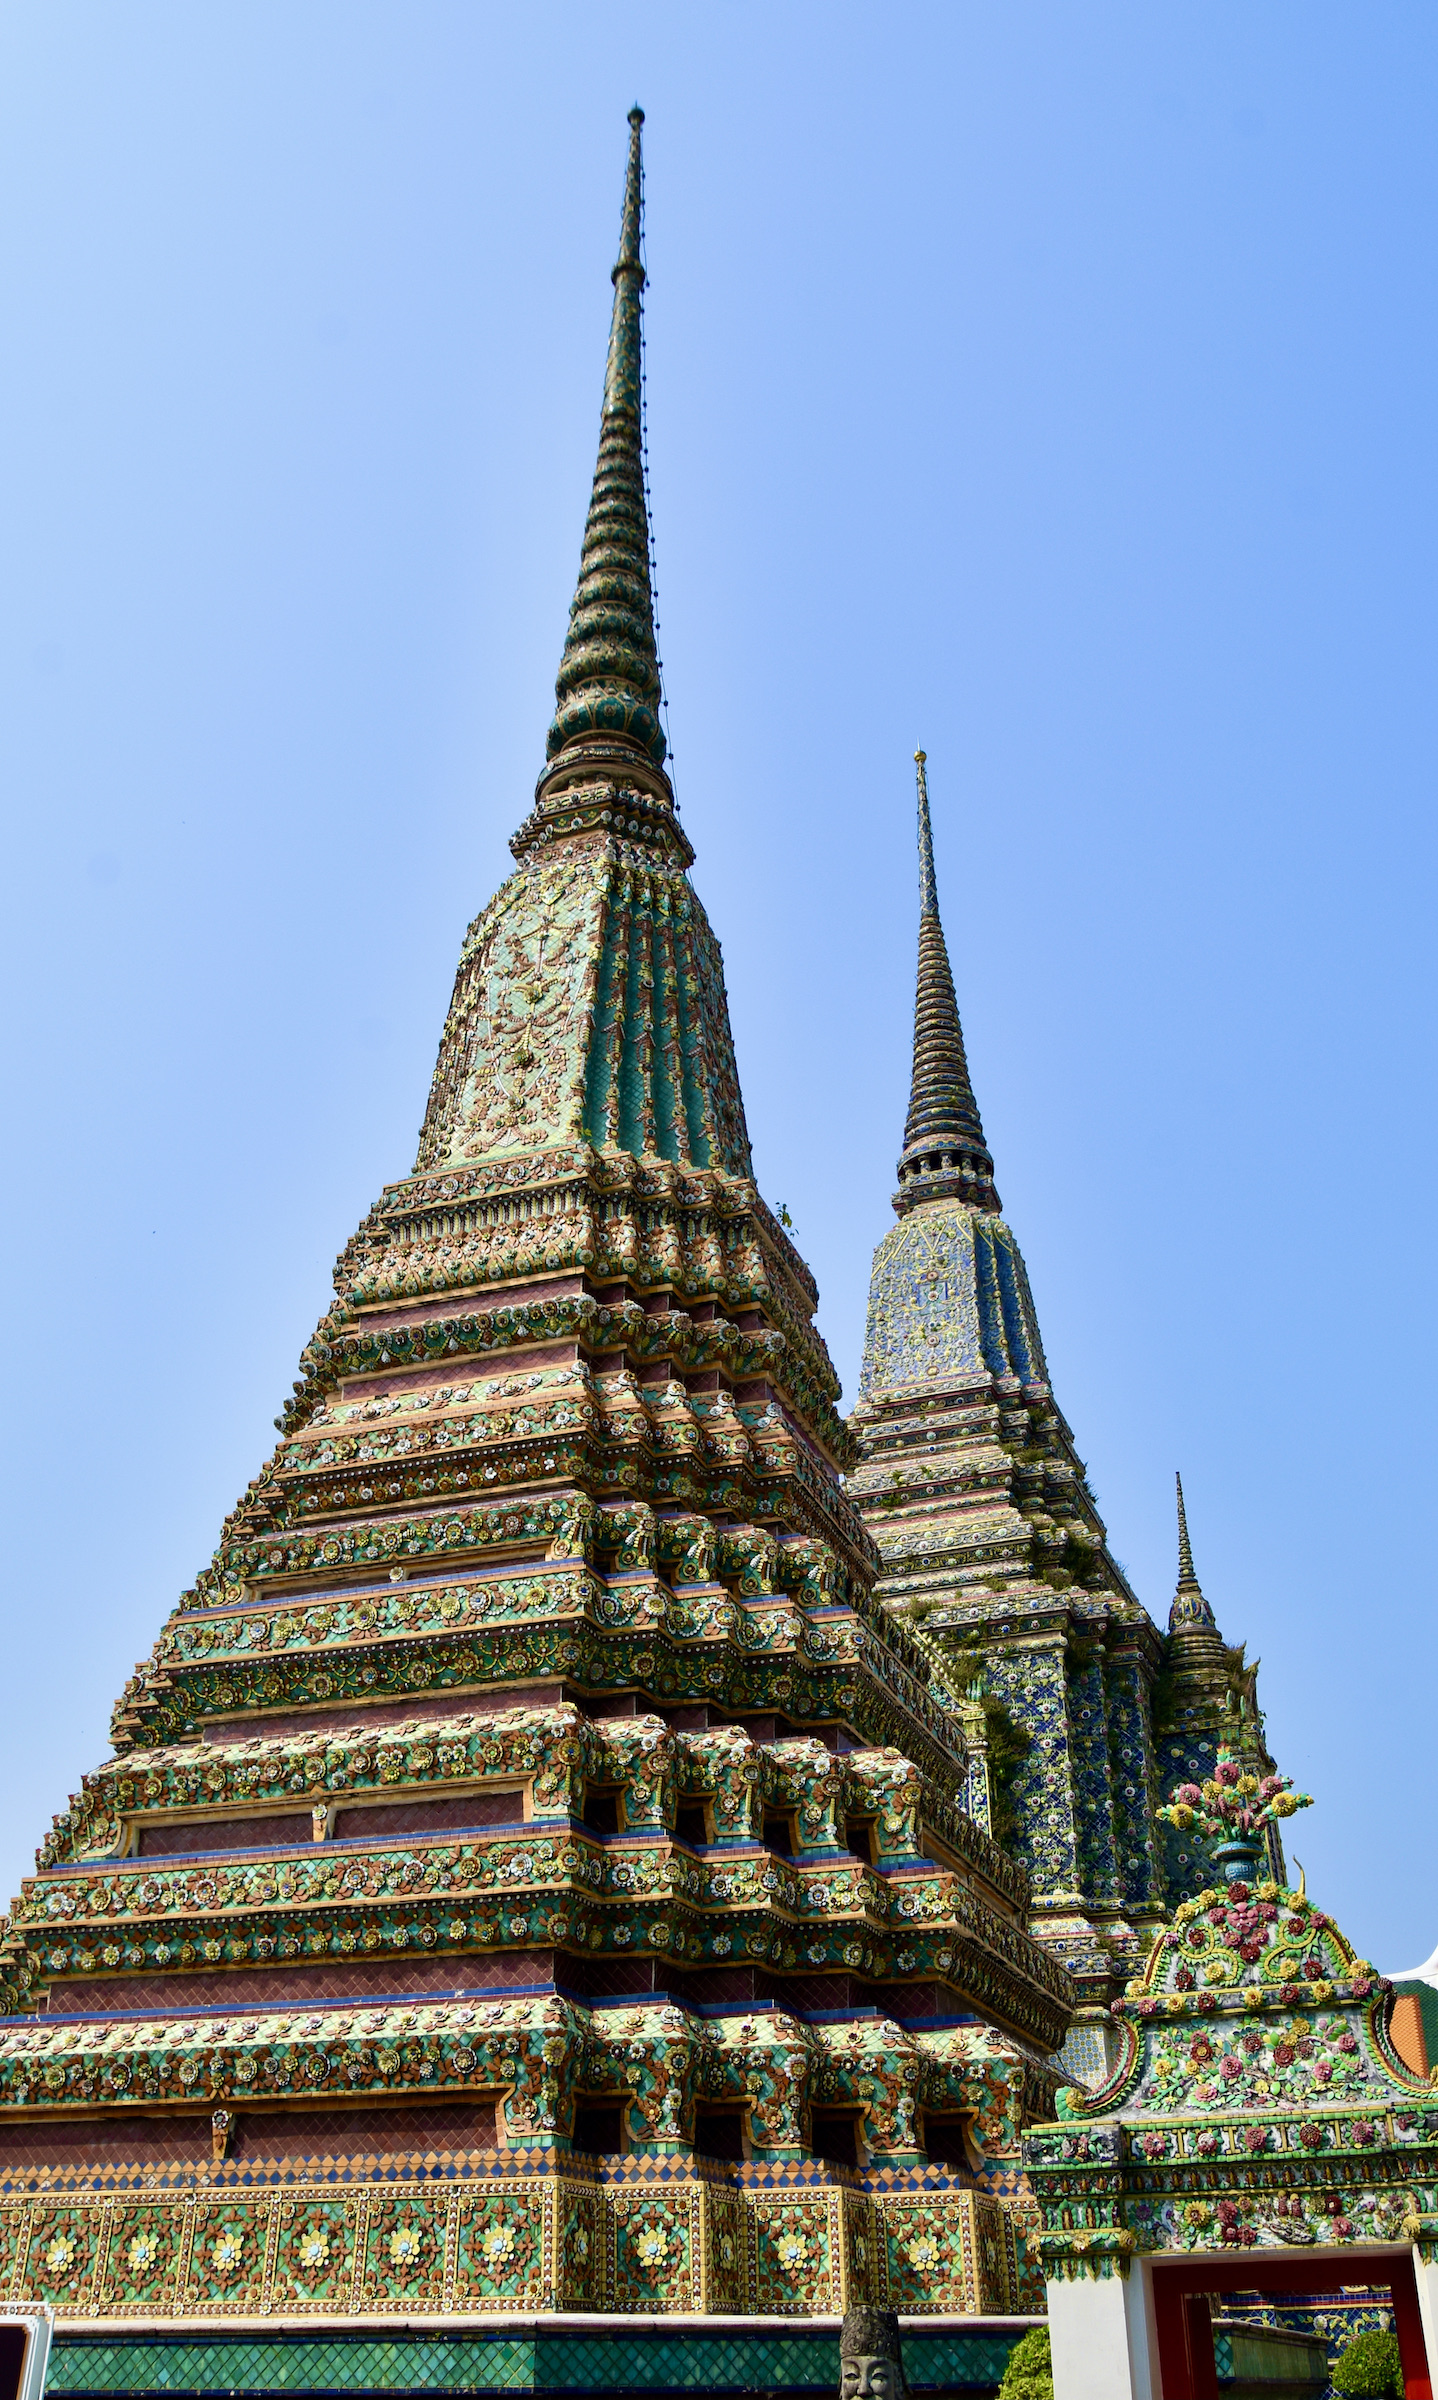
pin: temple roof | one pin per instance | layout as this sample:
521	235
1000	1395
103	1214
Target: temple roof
945	1155
1257	2101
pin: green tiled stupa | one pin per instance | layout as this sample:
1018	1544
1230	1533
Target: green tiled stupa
535	1874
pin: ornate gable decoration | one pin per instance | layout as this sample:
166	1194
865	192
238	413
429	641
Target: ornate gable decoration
1257	2099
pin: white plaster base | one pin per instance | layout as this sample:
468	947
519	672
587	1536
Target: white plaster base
1101	2334
38	2319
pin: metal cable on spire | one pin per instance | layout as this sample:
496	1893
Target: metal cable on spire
609	680
945	1155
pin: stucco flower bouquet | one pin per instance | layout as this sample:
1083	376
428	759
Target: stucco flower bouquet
1230	1810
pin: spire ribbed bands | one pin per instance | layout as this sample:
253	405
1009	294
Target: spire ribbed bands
945	1154
1190	1611
609	680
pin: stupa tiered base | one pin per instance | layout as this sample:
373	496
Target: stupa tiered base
535	1872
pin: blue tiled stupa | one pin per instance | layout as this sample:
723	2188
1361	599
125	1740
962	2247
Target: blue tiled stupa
995	1553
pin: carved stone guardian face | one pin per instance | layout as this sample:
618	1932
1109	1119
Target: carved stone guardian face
871	2363
870	2379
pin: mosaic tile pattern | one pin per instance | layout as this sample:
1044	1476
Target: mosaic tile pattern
754	2242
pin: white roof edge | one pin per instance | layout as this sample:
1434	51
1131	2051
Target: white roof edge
1427	1973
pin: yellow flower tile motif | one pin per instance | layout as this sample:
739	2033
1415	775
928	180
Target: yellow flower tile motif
792	2254
499	2249
630	2245
405	2248
314	2257
63	2252
649	2258
227	2252
579	2248
228	2243
142	2255
930	2251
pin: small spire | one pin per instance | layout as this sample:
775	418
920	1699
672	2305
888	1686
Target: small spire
608	679
945	1155
1190	1611
1186	1575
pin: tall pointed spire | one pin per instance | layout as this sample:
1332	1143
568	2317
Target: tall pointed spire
1190	1612
589	1006
476	1588
945	1155
608	680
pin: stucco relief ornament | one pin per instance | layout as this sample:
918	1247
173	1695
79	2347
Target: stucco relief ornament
1230	1811
1259	2102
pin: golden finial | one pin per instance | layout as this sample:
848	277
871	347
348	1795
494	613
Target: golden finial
922	757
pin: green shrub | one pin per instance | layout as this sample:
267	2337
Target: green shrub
1368	2367
1029	2374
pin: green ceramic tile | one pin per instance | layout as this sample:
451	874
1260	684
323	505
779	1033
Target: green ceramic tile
149	2367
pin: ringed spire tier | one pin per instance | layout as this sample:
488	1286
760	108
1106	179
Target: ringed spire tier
609	680
945	1154
534	1872
1189	1611
995	1553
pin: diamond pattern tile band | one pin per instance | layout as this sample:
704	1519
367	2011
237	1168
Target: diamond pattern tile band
791	2360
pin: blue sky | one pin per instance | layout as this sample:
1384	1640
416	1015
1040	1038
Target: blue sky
1050	385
